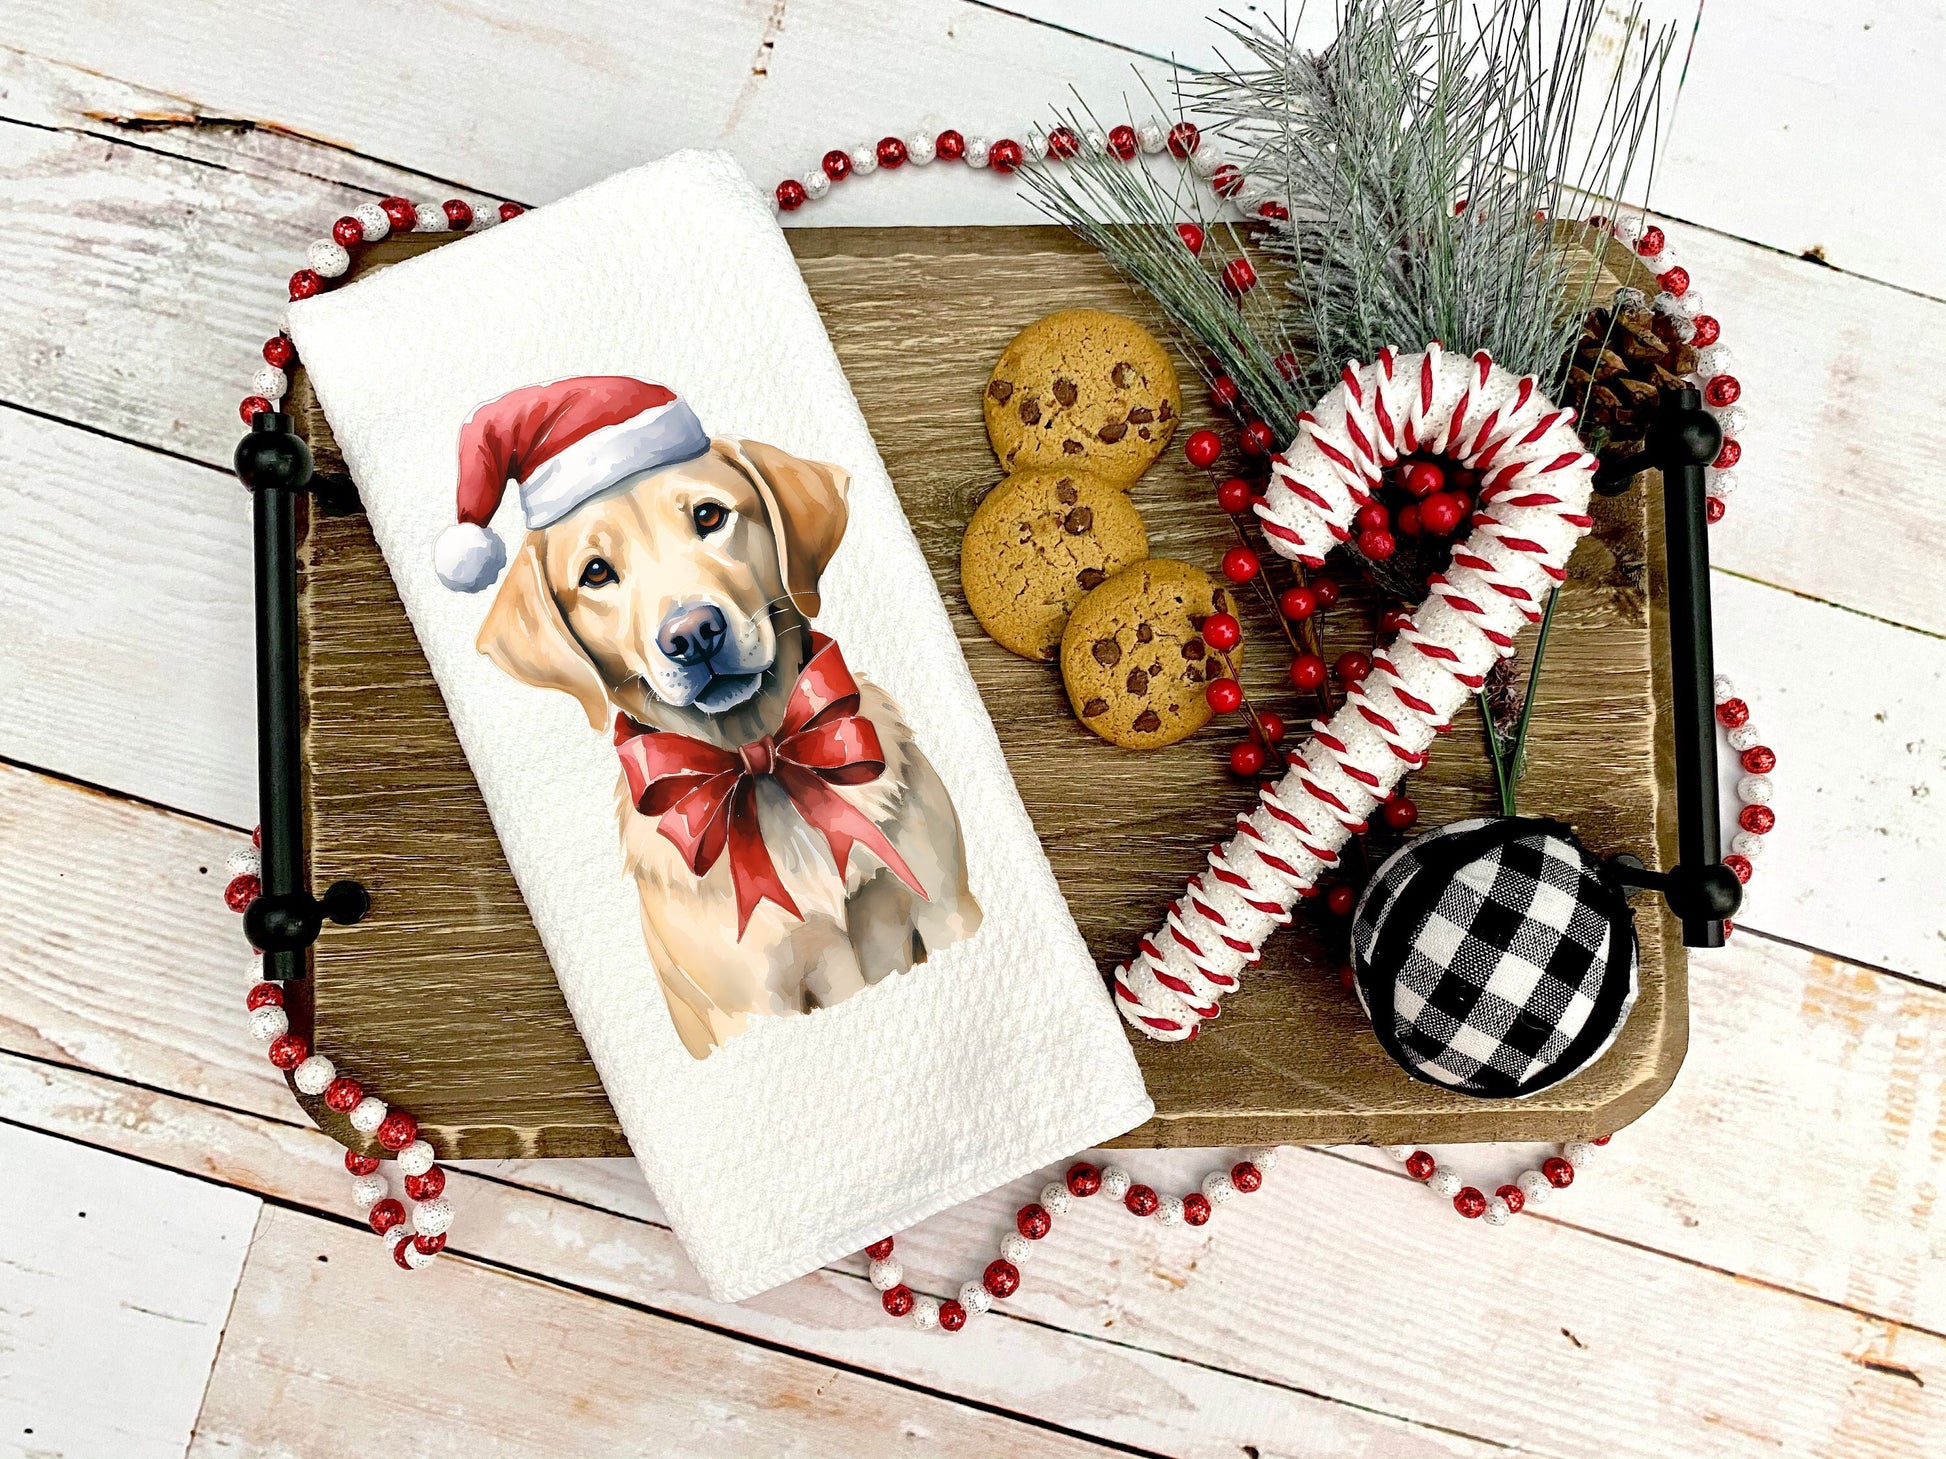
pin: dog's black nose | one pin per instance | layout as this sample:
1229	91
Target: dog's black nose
692	635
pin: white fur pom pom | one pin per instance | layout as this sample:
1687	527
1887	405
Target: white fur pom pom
467	558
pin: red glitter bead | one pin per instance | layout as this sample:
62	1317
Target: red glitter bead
1298	603
400	1244
1651	242
879	1250
1269	726
343	1094
1191	236
1240	565
306	282
1601	1139
1327	591
1760	759
1032	1221
1141	1200
837	164
1246	1177
1307	671
386	1214
397	1130
1514	1196
426	1187
1470	1203
1347	977
1083	1180
1062	143
1559	1173
1423	478
1002	1278
790	195
1273	211
1728	927
287	1051
1238	276
400	213
1722	390
1341	899
1005	155
264	993
1757	819
1420	1165
1184	138
1202	448
1378	546
1247	757
1256	439
1731	453
1740	866
1226	181
1354	667
1123	142
1713	509
1221	630
252	407
1401	813
1372	517
1706	331
950	146
242	891
1195	1209
891	152
1675	281
952	1316
430	1245
510	211
279	351
348	232
1235	496
899	1301
1223	392
459	214
1224	695
1732	713
361	1164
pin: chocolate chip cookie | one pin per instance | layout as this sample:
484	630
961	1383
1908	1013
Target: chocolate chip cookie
1039	542
1083	388
1133	656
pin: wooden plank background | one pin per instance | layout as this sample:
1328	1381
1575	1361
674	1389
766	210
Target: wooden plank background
1755	1267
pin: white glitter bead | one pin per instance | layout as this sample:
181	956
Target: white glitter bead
1095	140
1579	1152
1748	845
1169	1213
416	1158
419	1260
430	218
1206	160
1754	790
371	217
1628	230
433	1217
925	1313
977	149
1535	1186
920	149
816	183
269	1021
1444	1182
485	216
1732	418
1400	1153
1664	260
1016	1248
864	159
270	382
367	1190
887	1274
1115	1182
1217	1189
368	1114
1497	1211
1743	737
1264	1157
247	862
975	1298
1054	1195
1721	484
314	1074
1725	689
1714	360
1681	310
326	257
1153	136
1036	144
253	969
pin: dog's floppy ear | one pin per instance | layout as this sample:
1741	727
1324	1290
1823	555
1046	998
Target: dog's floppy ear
808	512
525	634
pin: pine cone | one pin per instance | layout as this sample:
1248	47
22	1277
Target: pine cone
1624	360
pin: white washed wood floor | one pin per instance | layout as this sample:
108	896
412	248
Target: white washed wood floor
1758	1267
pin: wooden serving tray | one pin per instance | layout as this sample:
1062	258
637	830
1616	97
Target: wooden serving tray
443	999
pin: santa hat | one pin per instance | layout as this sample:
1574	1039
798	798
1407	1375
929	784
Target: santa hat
560	444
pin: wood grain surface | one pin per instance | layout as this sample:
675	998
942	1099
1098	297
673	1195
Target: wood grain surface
444	998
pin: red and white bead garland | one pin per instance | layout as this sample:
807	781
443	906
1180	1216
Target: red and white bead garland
1534	1186
411	1246
1755	818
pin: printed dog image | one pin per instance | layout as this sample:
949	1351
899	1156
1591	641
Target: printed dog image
789	841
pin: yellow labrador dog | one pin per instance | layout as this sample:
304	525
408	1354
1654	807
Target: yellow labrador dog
681	598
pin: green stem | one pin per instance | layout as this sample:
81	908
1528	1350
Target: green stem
1493	754
1518	760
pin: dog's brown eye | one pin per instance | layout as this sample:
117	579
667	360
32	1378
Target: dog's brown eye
708	516
597	574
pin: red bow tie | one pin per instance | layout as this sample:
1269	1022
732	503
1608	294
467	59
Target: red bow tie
705	794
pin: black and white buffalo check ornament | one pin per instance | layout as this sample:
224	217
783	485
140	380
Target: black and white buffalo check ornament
1493	957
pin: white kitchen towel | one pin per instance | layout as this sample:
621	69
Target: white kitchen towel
817	1096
